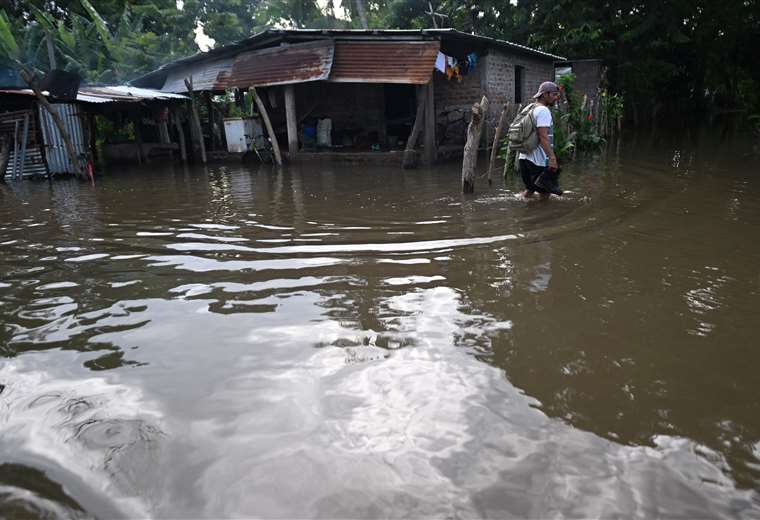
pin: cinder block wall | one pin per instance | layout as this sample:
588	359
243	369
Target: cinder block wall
494	77
500	81
453	98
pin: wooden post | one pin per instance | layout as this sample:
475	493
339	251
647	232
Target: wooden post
180	135
211	123
430	145
138	135
290	116
496	138
410	157
5	155
196	117
92	136
470	158
268	125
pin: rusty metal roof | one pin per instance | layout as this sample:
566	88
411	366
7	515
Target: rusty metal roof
384	61
283	65
211	76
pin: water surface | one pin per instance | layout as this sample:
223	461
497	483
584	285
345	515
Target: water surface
362	342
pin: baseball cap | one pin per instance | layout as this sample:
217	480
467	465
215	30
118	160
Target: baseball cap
546	86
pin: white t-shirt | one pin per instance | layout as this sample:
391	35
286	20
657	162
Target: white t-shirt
543	120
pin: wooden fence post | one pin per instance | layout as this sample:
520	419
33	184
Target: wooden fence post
496	138
196	117
470	158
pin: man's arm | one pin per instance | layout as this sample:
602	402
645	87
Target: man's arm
543	141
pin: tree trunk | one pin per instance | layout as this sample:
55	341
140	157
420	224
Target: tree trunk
31	80
470	158
196	118
268	125
410	156
496	138
362	10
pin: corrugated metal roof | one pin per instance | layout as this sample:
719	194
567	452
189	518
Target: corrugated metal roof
270	37
384	61
283	65
111	94
123	93
207	76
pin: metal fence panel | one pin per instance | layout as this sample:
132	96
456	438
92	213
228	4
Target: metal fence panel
55	149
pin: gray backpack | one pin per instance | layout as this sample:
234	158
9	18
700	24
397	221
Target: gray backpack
522	135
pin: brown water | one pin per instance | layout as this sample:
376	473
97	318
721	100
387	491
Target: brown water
357	342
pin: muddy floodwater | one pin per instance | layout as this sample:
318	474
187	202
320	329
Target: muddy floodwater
343	341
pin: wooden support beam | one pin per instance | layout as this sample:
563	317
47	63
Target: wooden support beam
180	134
470	158
196	118
210	110
290	116
410	156
430	144
5	154
268	124
496	139
138	134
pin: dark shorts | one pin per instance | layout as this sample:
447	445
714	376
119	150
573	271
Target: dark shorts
530	172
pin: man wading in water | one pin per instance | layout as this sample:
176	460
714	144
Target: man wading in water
539	168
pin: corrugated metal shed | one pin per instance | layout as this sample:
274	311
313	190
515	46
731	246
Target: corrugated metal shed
283	65
55	149
211	76
384	61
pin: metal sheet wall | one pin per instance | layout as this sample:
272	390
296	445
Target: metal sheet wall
55	149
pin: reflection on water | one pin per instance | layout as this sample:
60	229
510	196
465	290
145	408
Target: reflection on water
356	342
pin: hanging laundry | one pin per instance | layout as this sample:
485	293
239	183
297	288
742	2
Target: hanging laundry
440	62
472	61
458	73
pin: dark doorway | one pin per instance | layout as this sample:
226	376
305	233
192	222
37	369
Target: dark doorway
518	84
400	109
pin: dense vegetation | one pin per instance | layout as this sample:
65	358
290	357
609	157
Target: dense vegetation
666	57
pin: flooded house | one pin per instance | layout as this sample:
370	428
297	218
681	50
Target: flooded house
355	94
123	123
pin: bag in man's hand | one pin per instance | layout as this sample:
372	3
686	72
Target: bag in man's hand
522	135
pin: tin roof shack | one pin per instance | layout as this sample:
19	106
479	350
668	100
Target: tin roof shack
589	75
35	143
356	92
